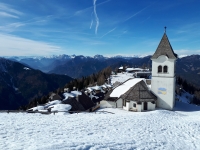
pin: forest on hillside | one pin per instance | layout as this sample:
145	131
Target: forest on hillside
79	84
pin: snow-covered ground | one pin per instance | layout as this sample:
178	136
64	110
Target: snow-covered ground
121	77
159	129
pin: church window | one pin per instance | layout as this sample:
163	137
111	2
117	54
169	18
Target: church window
165	69
159	69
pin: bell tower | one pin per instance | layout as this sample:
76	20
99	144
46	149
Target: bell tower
163	74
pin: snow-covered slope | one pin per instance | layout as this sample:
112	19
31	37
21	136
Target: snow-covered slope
160	129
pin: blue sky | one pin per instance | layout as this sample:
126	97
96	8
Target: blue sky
89	27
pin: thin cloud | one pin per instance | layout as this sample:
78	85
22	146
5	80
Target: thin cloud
91	24
35	21
108	32
8	11
17	46
11	27
5	14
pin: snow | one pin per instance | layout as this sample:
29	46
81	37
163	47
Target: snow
52	103
43	110
37	108
89	89
108	85
75	93
159	129
26	68
118	91
104	86
121	77
94	88
61	107
138	69
67	95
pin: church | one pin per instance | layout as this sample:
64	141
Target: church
163	74
138	94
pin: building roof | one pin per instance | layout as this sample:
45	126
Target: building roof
116	84
118	91
139	92
129	69
55	97
98	97
76	106
85	101
148	82
164	48
107	96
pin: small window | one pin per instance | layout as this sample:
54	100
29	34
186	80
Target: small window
159	69
165	69
134	104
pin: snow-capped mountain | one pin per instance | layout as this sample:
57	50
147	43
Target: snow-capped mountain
78	66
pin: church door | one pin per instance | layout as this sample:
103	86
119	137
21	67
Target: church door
145	105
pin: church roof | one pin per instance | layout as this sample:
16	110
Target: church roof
139	93
164	48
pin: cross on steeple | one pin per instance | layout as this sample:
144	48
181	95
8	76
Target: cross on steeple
165	28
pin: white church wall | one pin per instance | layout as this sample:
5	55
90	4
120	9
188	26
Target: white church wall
164	89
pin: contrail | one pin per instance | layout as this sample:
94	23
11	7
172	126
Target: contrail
96	17
109	32
91	20
136	13
91	24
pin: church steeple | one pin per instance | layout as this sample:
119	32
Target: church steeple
163	79
164	48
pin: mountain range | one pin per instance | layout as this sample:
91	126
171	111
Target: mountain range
19	83
188	67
